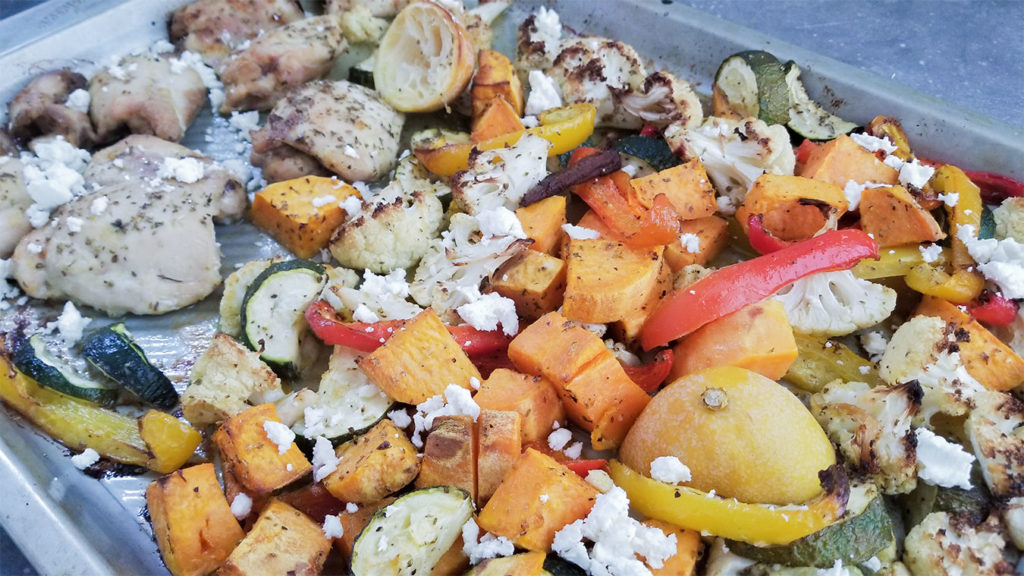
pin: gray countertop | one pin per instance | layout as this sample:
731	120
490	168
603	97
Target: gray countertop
967	52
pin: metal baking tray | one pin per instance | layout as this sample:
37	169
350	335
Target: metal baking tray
67	522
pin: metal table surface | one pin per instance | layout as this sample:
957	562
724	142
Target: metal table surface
968	53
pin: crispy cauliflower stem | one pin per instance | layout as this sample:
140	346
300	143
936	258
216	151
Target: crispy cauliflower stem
941	544
734	153
995	428
871	428
925	349
391	232
501	177
835	303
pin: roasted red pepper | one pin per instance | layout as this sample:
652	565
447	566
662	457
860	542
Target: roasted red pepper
761	239
650	130
584	467
366	337
993	309
728	289
804	150
650	376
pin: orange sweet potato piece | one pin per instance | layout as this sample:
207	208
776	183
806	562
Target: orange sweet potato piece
521	564
841	160
299	213
192	520
538	497
497	119
757	337
686	186
232	488
554	348
453	561
604	278
894	217
418	361
352	523
495	78
533	397
790	205
713	235
500	441
604	400
688	550
450	455
542	221
992	363
254	458
373	465
283	541
535	281
628	328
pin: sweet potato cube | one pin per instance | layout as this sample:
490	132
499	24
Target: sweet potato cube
533	397
495	78
233	488
554	348
893	217
789	205
246	448
170	441
604	400
992	363
757	337
352	523
535	281
688	550
498	119
418	361
841	160
542	221
521	564
500	442
192	520
712	235
686	186
453	561
301	213
538	497
283	541
604	277
373	465
449	455
628	328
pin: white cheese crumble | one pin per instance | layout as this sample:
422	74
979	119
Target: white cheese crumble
74	224
350	152
185	170
950	199
580	232
486	311
1001	261
690	242
500	221
455	401
574	451
86	458
617	539
321	201
873	144
70	324
931	252
942	463
544	93
325	460
245	122
874	343
481	548
400	417
559	438
351	508
53	176
332	526
353	205
241	505
79	99
853	191
837	569
670	470
362	313
279	434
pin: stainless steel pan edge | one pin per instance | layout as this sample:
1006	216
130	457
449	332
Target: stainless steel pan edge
69	523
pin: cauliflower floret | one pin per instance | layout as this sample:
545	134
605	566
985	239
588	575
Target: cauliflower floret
227	379
1009	217
996	432
384	297
925	349
942	544
835	303
539	40
662	100
871	427
501	177
734	153
1013	517
360	26
390	233
411	175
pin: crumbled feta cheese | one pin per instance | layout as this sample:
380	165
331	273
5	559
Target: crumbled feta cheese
117	72
873	564
942	463
350	152
853	191
279	434
580	232
400	417
1001	261
725	205
837	569
931	252
53	176
481	548
332	526
500	221
241	505
325	460
70	324
353	205
86	458
670	470
950	199
362	313
864	369
530	122
79	100
559	438
321	201
874	343
486	311
617	539
544	93
574	451
874	144
186	170
245	122
690	242
456	400
914	174
73	223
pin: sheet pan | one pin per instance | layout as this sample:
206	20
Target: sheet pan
69	523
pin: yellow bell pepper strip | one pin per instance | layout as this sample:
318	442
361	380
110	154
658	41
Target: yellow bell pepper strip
886	127
895	261
960	287
170	441
754	523
566	128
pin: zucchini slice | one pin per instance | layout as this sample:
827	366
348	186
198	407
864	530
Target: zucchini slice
362	73
410	535
347	403
653	151
860	535
273	321
806	117
113	352
32	357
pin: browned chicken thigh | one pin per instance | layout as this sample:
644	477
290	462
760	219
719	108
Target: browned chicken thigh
42	108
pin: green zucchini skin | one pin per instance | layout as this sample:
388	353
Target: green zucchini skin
654	151
113	352
32	357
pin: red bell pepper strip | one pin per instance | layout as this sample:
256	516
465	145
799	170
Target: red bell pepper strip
584	467
728	289
804	150
650	376
761	240
650	130
367	337
993	309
